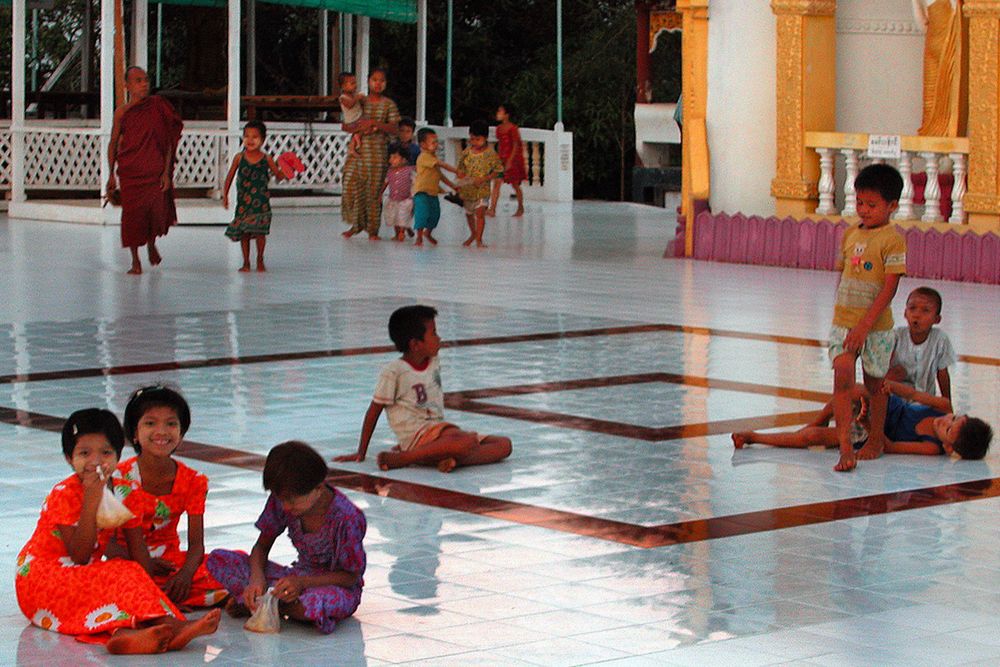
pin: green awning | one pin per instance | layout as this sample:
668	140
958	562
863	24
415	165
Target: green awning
403	11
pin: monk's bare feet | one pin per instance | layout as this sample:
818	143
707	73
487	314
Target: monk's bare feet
135	270
741	439
846	463
237	609
467	242
447	465
185	632
127	641
430	238
519	212
260	266
154	255
388	460
245	268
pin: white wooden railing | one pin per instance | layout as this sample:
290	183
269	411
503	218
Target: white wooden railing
67	155
842	155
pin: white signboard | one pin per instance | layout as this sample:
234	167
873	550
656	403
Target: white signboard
884	146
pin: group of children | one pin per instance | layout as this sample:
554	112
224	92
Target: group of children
122	580
896	409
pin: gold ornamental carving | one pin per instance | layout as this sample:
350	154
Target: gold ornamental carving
982	8
977	203
984	136
804	7
794	188
789	128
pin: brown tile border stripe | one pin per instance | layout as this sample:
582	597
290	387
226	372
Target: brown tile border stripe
682	532
77	373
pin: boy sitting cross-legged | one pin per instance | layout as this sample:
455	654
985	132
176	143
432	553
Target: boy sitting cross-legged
409	390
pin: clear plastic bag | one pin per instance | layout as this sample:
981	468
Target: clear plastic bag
111	512
266	618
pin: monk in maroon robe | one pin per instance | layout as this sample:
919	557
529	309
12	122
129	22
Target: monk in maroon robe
143	141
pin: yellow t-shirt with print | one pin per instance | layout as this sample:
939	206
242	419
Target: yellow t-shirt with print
476	165
428	174
866	257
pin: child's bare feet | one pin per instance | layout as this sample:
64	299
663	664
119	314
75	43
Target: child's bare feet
519	212
491	213
348	234
374	237
846	463
205	625
480	244
872	449
245	268
143	641
388	460
447	465
237	609
467	242
418	242
431	239
409	232
260	266
135	270
741	439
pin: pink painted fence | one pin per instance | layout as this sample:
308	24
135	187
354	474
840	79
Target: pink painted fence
806	244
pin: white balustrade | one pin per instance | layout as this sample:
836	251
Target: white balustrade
851	172
958	189
932	154
826	182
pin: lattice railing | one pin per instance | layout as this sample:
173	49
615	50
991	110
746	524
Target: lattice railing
69	159
5	158
199	160
322	151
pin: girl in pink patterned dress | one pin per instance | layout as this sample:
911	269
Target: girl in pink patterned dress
323	585
398	211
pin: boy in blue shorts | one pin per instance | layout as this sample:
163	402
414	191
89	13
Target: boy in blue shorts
871	262
426	186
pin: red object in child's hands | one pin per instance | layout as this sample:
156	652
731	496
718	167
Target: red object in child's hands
290	164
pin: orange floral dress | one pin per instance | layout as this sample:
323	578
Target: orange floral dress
56	594
160	515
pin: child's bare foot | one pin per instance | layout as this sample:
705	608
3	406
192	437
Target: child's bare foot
135	270
260	266
409	232
348	234
388	460
480	244
447	465
467	242
237	609
491	213
872	450
846	463
418	242
373	237
519	212
128	641
205	625
245	268
741	439
431	239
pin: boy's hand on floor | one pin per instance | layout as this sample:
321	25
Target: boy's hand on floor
344	458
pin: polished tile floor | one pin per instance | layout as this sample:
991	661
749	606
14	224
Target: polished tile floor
624	530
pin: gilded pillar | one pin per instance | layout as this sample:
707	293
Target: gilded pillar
982	202
805	89
694	94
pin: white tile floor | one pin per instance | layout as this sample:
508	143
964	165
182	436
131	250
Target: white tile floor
443	587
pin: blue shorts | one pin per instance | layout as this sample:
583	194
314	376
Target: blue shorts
426	211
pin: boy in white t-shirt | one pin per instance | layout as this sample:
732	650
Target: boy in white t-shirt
922	354
409	390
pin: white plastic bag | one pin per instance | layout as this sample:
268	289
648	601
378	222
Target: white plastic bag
111	512
266	618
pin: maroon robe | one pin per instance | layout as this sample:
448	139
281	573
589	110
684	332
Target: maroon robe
149	130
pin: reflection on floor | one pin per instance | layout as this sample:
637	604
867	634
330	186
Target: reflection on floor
623	530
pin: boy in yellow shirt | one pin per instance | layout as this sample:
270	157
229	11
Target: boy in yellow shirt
426	186
871	261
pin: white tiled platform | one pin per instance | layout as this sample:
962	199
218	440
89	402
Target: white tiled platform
444	587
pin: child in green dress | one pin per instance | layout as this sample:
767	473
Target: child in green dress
253	201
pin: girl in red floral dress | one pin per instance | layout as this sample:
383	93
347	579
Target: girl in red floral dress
61	582
156	419
511	152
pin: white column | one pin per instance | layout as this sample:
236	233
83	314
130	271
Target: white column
347	55
107	89
233	86
361	53
850	173
826	184
140	34
905	210
324	52
421	110
251	50
958	189
17	101
932	191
